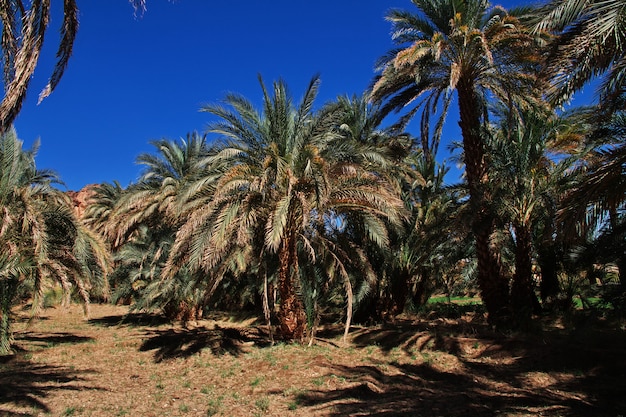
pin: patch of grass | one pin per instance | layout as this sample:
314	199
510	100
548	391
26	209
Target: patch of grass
319	381
231	371
183	408
297	401
256	382
72	411
270	358
214	406
440	299
339	378
263	404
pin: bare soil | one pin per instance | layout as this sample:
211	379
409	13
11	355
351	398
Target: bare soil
138	365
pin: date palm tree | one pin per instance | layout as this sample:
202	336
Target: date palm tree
284	197
144	221
523	179
596	198
43	240
482	54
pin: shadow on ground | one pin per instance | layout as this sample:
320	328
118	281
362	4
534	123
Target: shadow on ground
551	374
25	385
131	320
183	343
47	340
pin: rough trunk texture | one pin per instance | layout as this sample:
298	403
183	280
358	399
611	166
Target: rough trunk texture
522	294
547	259
493	286
291	314
549	287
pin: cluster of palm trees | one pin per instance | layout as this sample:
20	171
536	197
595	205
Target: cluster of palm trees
302	211
288	204
509	70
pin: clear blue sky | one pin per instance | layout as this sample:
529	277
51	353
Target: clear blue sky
131	80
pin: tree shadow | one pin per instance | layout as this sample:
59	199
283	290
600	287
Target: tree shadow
420	390
26	385
131	320
410	335
47	340
551	373
183	343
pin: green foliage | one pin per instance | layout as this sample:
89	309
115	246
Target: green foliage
44	241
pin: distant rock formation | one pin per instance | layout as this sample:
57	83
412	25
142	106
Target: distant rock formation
81	198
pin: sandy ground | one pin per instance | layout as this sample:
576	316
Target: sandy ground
138	365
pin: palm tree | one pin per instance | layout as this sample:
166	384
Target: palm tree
44	241
284	196
389	153
462	46
100	205
596	198
23	28
144	221
522	174
12	269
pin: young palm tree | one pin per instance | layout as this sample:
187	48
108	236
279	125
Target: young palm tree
462	46
283	193
524	177
100	205
388	152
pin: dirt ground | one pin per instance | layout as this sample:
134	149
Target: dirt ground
137	365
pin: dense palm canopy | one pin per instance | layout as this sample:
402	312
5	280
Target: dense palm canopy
289	192
299	211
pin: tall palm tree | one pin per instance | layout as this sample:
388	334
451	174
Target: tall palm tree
462	46
24	25
284	196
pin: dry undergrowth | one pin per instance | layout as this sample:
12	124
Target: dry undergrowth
118	365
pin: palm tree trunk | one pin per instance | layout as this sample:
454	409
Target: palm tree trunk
291	314
266	307
493	286
522	288
8	289
547	260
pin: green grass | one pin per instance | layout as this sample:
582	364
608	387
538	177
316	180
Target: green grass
263	404
442	299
